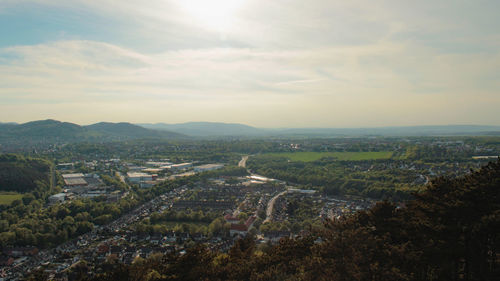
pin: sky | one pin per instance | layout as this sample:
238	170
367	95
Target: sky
280	63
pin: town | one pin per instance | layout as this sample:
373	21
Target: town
174	204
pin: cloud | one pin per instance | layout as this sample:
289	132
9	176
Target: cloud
303	85
283	63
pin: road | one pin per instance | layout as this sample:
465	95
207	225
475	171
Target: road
52	177
243	162
270	206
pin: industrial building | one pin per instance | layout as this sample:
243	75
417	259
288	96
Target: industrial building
135	177
181	166
77	179
57	198
208	167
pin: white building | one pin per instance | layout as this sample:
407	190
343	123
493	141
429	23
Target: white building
138	177
157	164
208	167
181	166
57	198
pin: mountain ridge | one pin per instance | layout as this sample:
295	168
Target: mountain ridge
201	129
50	130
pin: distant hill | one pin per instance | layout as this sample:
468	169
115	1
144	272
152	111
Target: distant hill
50	131
206	129
213	129
43	130
53	131
127	130
445	130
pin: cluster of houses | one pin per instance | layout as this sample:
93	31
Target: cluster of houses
336	208
16	255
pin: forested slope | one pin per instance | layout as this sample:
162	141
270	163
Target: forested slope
21	174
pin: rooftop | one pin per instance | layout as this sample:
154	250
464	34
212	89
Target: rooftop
137	175
69	176
75	181
207	166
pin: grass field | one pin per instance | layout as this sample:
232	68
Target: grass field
7	197
352	156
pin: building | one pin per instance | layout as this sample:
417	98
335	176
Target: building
238	229
181	166
303	191
242	229
146	184
275	236
74	180
152	170
57	198
139	177
158	164
72	176
231	219
65	166
208	167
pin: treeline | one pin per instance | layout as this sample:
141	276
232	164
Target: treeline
114	181
28	223
21	174
226	151
207	223
174	216
339	177
448	232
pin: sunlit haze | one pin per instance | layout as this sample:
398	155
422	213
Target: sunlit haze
215	14
281	63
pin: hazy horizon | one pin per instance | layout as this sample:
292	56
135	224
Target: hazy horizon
258	127
267	64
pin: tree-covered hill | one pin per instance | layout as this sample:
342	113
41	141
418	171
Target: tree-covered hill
53	131
127	130
21	174
208	129
451	231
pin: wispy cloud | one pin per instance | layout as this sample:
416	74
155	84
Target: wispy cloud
282	63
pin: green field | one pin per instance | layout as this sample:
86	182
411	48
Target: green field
351	156
7	197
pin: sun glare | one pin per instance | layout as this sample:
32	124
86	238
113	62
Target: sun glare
213	14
